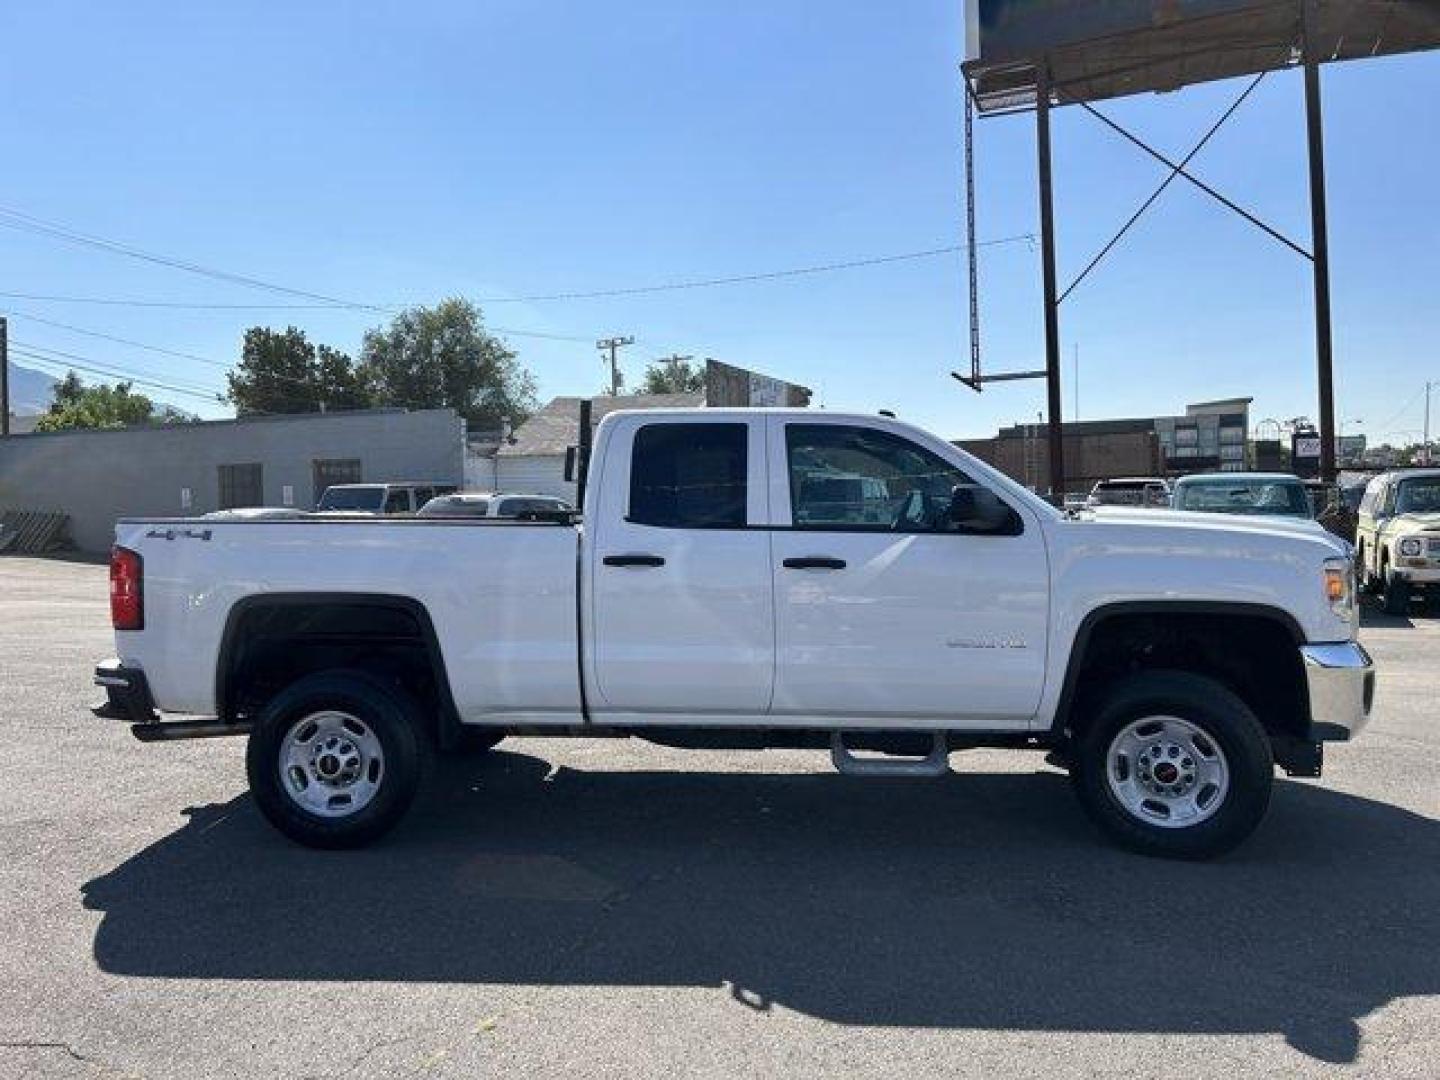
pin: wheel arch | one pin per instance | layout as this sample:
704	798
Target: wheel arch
1172	613
289	608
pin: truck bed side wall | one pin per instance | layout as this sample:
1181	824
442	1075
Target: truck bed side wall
501	598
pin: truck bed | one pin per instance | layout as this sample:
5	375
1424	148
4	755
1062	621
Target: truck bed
501	596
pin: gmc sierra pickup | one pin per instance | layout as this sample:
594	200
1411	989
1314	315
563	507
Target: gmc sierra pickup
752	579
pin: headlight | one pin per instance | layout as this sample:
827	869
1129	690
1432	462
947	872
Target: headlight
1339	575
1411	545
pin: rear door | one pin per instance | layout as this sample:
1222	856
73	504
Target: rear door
680	606
886	609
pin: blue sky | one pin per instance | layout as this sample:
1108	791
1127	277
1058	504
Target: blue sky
397	152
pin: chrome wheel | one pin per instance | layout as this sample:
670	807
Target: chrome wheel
331	764
1168	772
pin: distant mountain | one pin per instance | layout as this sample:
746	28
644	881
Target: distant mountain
30	390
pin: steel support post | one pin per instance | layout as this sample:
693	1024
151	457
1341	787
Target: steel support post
1052	303
1320	248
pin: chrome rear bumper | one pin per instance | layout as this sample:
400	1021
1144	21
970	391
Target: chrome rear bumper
1341	681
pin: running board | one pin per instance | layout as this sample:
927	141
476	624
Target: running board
935	763
176	730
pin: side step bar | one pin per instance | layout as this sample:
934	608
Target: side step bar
174	730
935	763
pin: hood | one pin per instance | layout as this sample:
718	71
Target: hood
1259	524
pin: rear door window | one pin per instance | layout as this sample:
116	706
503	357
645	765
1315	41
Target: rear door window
397	501
689	476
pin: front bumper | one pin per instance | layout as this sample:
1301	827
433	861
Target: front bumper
1341	681
1416	575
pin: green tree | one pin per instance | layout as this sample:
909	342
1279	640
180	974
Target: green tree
673	375
75	406
281	371
443	356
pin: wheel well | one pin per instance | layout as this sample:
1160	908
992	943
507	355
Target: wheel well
1254	655
270	642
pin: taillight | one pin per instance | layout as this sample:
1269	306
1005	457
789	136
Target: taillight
127	590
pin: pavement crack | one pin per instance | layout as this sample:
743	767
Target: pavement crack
60	1047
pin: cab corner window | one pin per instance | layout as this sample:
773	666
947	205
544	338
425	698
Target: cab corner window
689	476
857	478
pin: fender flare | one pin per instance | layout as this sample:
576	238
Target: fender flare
1099	614
447	723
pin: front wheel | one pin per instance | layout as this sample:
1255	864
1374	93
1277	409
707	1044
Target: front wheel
1175	765
1396	598
334	759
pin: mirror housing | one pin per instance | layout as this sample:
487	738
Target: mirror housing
975	508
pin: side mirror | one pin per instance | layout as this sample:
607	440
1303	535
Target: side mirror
977	509
572	458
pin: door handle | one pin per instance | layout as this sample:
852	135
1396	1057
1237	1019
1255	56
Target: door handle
814	562
634	560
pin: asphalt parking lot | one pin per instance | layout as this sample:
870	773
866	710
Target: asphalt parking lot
615	909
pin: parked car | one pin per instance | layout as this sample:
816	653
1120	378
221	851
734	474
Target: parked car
1167	661
1130	491
492	504
1397	536
256	513
1264	494
380	499
1334	507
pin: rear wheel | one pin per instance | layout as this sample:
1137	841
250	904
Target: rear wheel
334	759
1175	765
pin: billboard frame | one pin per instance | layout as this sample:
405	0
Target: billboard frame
1311	45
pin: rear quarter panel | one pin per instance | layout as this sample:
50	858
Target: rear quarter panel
501	597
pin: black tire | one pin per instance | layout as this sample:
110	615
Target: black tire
380	710
473	741
1396	598
1362	567
1222	718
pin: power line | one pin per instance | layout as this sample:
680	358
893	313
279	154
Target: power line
118	340
121	301
1401	411
59	356
181	305
124	376
16	219
767	275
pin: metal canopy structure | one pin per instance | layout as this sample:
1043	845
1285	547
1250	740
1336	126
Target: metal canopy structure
1038	54
1095	51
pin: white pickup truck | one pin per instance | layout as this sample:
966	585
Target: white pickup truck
753	579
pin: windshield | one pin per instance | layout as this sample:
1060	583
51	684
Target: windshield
352	498
1285	497
1419	496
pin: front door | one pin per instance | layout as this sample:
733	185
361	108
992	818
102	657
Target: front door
885	606
682	616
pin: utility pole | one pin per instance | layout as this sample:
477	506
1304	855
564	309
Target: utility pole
1424	445
4	377
613	346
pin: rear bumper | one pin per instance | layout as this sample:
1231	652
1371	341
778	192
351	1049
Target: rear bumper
1341	681
127	693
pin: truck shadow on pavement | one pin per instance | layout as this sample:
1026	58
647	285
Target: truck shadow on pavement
978	901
